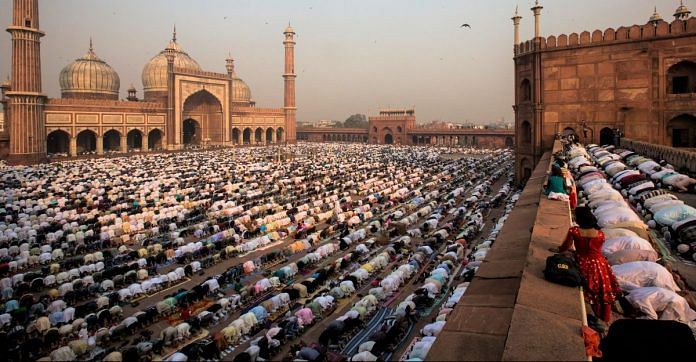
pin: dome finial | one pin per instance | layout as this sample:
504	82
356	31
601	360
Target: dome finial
655	18
91	48
174	34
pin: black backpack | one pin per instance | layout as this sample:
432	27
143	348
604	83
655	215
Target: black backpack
562	269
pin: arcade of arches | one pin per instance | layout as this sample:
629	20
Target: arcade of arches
258	136
87	141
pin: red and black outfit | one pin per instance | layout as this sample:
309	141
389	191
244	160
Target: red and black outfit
599	282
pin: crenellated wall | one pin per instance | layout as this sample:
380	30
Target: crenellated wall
610	36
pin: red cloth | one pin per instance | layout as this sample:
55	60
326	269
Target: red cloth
591	338
573	198
599	282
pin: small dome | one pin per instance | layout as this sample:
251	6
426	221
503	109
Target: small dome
89	77
289	29
682	12
5	83
132	88
240	90
155	71
655	16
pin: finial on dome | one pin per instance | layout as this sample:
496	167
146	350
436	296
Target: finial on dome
174	34
655	18
91	48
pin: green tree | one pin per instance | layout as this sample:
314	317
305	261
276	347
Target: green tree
356	121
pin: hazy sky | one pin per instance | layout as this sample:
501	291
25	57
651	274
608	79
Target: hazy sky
351	56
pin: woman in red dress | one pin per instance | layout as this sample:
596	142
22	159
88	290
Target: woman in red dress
599	282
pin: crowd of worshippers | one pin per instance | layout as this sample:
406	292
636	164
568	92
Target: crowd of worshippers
78	239
621	196
427	240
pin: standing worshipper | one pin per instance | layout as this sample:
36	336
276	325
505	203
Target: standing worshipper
599	282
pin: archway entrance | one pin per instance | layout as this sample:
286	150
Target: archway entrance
112	141
134	139
192	132
58	142
86	142
206	110
154	140
606	137
388	139
247	136
509	142
258	136
269	136
280	135
235	136
682	129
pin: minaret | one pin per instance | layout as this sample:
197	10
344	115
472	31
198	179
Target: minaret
655	18
537	18
516	23
229	65
172	141
682	12
26	122
289	76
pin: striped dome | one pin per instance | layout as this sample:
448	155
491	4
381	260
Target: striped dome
240	90
155	72
89	77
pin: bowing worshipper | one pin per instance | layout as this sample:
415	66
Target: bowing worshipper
599	283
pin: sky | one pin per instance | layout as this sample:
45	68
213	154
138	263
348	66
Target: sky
352	56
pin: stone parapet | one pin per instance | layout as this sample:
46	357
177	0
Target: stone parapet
678	157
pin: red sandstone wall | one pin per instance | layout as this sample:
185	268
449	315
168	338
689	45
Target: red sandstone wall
610	78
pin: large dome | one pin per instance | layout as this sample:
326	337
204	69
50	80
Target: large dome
89	77
240	90
155	71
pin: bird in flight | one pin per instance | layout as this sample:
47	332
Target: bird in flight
465	26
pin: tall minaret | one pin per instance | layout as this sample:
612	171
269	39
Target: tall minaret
26	102
537	18
289	76
516	23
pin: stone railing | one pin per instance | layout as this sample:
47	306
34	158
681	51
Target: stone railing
681	159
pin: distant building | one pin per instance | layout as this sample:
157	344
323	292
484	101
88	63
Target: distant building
326	123
398	126
639	79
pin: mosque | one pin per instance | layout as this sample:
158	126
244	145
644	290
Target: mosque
182	106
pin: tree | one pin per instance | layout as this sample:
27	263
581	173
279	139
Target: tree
356	121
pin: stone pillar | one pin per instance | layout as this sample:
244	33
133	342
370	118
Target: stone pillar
124	143
100	145
145	142
537	18
273	137
73	147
